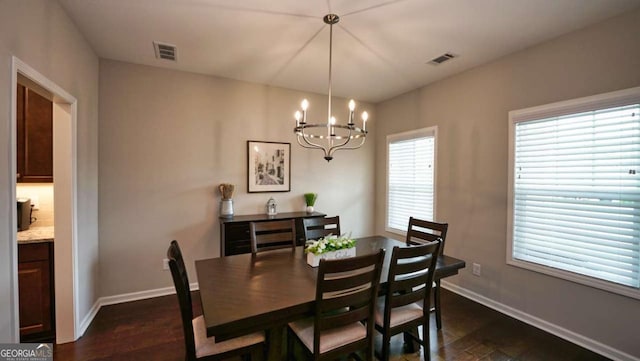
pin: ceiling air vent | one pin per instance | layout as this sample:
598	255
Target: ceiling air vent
441	59
165	51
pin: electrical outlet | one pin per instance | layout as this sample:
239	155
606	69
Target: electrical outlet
35	202
477	269
165	264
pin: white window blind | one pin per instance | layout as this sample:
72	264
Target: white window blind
576	193
410	183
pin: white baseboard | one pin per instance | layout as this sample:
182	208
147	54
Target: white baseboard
88	318
126	297
547	326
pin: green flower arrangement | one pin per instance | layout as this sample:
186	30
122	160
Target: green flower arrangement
310	199
329	243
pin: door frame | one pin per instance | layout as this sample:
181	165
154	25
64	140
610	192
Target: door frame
65	210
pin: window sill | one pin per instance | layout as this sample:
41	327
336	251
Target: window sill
396	232
577	278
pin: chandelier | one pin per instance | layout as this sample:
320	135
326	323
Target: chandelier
330	136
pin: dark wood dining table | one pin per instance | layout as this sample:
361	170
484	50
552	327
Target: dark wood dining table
244	293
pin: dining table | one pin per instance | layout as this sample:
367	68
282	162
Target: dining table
246	293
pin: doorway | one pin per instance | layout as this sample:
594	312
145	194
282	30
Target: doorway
64	200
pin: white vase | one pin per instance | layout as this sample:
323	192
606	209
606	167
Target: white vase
309	209
226	208
313	260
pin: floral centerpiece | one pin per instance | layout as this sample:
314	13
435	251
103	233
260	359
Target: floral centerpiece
329	247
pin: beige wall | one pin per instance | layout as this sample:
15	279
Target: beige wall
39	33
168	139
470	111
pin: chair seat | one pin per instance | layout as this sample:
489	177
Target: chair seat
330	339
206	346
399	315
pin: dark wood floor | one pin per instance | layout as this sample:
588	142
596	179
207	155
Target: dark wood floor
151	330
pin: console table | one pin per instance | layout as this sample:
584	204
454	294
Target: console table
234	231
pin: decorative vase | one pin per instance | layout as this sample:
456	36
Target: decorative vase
309	209
226	208
313	260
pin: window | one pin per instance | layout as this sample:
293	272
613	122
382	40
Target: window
574	190
410	177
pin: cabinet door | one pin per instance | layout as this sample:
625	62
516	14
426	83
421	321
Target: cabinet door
35	290
237	238
34	137
20	132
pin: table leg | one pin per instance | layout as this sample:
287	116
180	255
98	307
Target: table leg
276	338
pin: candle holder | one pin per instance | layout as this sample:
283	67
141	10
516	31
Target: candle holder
272	207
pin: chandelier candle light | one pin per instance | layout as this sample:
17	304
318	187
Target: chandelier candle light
337	136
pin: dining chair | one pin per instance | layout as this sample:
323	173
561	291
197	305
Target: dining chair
197	345
419	232
344	309
318	227
405	306
270	235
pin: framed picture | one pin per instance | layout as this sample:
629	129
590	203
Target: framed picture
268	166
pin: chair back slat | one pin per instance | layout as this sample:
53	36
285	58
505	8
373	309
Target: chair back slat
343	283
351	299
318	227
403	299
419	237
401	285
267	238
272	235
417	265
181	283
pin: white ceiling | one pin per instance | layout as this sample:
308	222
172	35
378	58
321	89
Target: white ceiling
380	47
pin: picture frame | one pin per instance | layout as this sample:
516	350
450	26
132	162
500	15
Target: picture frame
268	166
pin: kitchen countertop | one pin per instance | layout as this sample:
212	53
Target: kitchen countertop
36	234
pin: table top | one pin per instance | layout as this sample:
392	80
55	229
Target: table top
244	293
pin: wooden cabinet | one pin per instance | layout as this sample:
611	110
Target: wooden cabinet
35	284
34	125
234	232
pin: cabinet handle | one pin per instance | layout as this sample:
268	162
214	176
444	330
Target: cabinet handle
17	175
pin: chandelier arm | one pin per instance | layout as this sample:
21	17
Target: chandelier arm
362	140
347	148
310	144
347	140
303	144
306	137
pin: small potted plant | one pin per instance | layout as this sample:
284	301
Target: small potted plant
310	200
330	247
